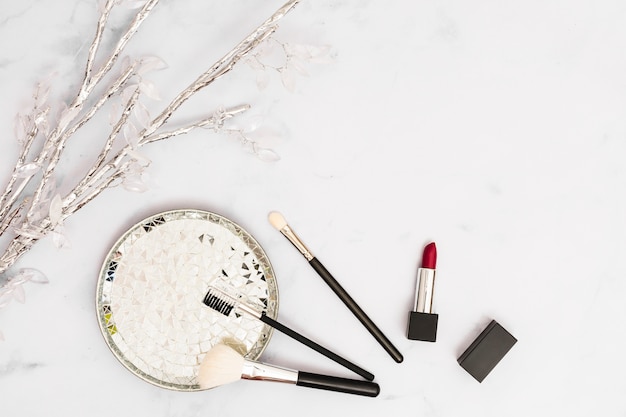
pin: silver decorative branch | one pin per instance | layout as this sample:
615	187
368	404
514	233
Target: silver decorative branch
32	217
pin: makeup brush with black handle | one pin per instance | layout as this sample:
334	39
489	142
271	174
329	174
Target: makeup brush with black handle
279	223
222	365
224	303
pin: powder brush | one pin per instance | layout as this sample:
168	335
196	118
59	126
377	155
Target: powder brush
220	300
222	365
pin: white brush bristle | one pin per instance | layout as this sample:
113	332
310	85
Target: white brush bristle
221	365
277	220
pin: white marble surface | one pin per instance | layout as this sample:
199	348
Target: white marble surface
496	129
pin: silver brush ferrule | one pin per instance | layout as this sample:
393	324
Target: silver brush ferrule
247	310
226	295
293	238
261	371
424	291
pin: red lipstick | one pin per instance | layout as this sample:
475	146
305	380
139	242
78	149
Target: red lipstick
429	257
422	321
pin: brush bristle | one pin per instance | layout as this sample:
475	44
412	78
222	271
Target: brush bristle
218	303
221	365
277	220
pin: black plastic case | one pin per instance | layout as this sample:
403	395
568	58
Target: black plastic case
486	351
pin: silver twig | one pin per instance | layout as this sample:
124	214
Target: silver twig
32	217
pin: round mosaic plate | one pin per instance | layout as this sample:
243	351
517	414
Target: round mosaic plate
151	288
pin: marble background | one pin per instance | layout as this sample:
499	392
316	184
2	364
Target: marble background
496	129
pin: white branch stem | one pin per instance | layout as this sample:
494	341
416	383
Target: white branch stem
113	89
93	49
227	114
91	176
57	139
107	169
95	191
223	65
30	138
90	83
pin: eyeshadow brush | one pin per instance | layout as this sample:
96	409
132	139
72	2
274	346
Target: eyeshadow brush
279	223
224	303
222	365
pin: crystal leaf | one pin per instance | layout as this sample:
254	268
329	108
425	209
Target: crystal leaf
56	209
141	114
41	97
44	126
255	64
40	119
150	63
49	189
289	80
20	127
60	112
42	91
149	89
250	123
128	93
264	50
67	116
297	65
14	282
265	136
142	160
34	275
18	279
131	134
39	212
266	155
246	123
248	146
27	170
297	50
60	239
272	56
262	80
320	54
116	110
19	294
134	185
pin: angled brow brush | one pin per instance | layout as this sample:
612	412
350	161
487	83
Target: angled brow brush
225	304
279	223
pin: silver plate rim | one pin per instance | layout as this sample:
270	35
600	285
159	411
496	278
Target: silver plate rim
104	267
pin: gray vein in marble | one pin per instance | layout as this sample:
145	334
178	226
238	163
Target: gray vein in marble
15	365
16	15
5	62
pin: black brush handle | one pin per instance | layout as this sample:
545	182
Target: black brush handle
315	346
333	383
356	310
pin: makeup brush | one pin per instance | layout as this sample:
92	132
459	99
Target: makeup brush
279	223
222	365
224	303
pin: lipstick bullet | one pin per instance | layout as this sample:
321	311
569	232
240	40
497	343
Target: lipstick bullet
422	321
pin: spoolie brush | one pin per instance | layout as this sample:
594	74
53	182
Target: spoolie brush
279	223
222	365
223	302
